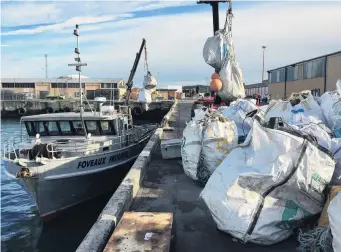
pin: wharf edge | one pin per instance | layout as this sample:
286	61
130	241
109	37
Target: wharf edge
100	232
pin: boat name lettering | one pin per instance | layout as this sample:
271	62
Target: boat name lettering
116	157
90	163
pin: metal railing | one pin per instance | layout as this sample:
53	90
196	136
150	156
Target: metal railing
80	148
10	146
85	148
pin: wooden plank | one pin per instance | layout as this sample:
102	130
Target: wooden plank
142	232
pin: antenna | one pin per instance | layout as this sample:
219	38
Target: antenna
78	66
46	76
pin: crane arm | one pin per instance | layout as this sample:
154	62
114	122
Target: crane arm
133	71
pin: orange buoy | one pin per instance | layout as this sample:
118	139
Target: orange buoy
215	76
216	84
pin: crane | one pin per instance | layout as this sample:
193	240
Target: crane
133	71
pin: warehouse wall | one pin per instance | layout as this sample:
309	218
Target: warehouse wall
333	70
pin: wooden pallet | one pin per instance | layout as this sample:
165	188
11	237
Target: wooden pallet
142	231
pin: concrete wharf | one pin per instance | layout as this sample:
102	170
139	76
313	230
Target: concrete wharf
155	186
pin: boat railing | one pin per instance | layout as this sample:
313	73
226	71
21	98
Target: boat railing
92	145
10	147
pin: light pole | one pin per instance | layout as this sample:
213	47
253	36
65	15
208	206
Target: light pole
263	63
46	76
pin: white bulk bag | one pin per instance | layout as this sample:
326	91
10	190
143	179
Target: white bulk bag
307	106
199	114
220	136
231	77
145	96
237	113
149	81
191	148
215	49
247	105
314	127
334	216
331	106
263	188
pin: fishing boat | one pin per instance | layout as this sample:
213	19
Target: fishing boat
68	158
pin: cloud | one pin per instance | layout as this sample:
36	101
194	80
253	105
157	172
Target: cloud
163	4
15	13
29	13
291	32
2	45
66	24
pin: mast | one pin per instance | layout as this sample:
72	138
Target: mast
78	66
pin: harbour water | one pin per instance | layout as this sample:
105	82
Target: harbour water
21	227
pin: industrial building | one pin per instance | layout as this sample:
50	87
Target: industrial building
258	88
317	74
66	86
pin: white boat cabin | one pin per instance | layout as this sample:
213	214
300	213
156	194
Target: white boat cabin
70	124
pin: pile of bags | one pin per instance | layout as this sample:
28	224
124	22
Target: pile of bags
302	103
261	190
149	85
331	107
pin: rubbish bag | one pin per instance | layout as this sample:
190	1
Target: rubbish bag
336	150
334	215
267	186
199	114
331	106
145	96
149	81
191	148
231	77
299	103
216	49
219	137
314	127
237	113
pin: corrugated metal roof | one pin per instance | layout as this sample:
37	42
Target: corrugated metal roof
56	80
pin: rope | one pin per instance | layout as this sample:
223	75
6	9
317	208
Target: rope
318	239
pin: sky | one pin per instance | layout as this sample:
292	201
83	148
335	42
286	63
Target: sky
111	33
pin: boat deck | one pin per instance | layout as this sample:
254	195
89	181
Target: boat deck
165	188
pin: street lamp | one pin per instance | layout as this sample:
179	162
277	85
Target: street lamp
263	63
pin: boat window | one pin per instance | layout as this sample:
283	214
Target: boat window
29	128
52	128
92	127
105	125
78	127
106	128
41	128
65	127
